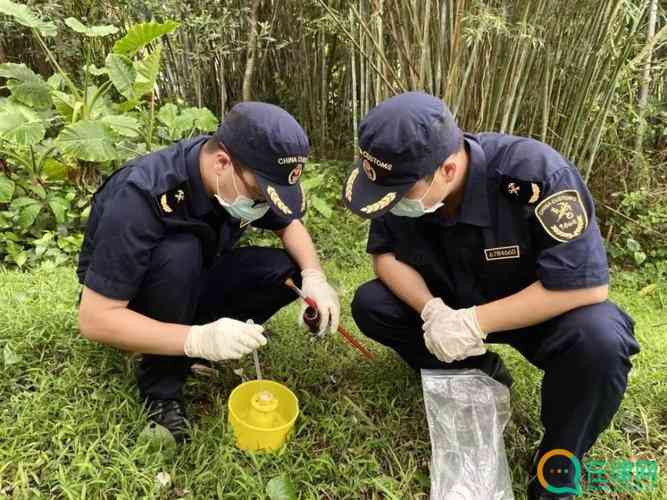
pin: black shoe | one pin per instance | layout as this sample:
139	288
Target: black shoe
170	414
535	490
494	366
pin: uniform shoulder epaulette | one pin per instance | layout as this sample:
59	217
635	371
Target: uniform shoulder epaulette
172	201
528	192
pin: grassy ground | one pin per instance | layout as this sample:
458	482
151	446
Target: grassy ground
70	416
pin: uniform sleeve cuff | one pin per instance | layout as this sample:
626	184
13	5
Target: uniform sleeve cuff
574	281
378	249
109	288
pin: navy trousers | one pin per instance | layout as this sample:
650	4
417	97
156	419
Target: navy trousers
584	353
245	283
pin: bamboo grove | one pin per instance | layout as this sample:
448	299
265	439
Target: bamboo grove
551	69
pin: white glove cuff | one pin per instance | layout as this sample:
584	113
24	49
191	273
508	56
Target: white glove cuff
313	273
192	341
430	308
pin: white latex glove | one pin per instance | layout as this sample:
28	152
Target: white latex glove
452	334
223	339
315	286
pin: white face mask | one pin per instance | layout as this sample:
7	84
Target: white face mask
415	208
242	207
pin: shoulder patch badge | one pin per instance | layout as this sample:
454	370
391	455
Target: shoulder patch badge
563	215
522	191
168	202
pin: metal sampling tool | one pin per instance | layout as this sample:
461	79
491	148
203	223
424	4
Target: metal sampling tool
255	357
311	317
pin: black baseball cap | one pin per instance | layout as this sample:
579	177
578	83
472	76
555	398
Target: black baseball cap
270	142
401	140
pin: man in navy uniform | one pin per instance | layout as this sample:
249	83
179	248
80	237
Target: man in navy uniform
159	272
489	238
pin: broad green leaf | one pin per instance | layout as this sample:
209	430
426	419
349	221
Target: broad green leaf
29	214
147	71
21	126
35	93
59	207
19	72
168	114
39	190
7	187
64	103
54	170
55	81
140	35
203	118
21	258
26	86
23	15
183	124
633	245
22	202
281	488
87	140
92	31
123	125
4	223
122	74
640	257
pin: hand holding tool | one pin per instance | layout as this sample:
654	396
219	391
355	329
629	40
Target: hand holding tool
311	317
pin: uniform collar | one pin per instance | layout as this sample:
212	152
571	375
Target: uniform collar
474	208
201	202
475	205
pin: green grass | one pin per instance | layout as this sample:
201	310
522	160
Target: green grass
70	416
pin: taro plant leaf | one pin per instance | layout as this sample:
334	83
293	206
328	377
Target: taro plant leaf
168	114
202	118
7	187
23	15
122	74
21	126
54	170
91	31
26	86
147	70
140	35
59	207
87	140
55	81
281	488
122	124
28	214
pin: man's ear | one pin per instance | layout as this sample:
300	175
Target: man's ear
221	161
448	169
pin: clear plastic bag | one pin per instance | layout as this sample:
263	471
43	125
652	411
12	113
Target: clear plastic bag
467	412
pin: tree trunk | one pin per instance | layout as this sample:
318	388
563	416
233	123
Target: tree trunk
252	49
643	94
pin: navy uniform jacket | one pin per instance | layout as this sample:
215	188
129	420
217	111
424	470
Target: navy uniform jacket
139	205
526	215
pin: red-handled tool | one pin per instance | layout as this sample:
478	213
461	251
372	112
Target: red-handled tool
311	317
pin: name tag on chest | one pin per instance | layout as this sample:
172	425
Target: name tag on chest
502	253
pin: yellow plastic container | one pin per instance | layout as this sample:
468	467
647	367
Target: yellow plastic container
262	412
